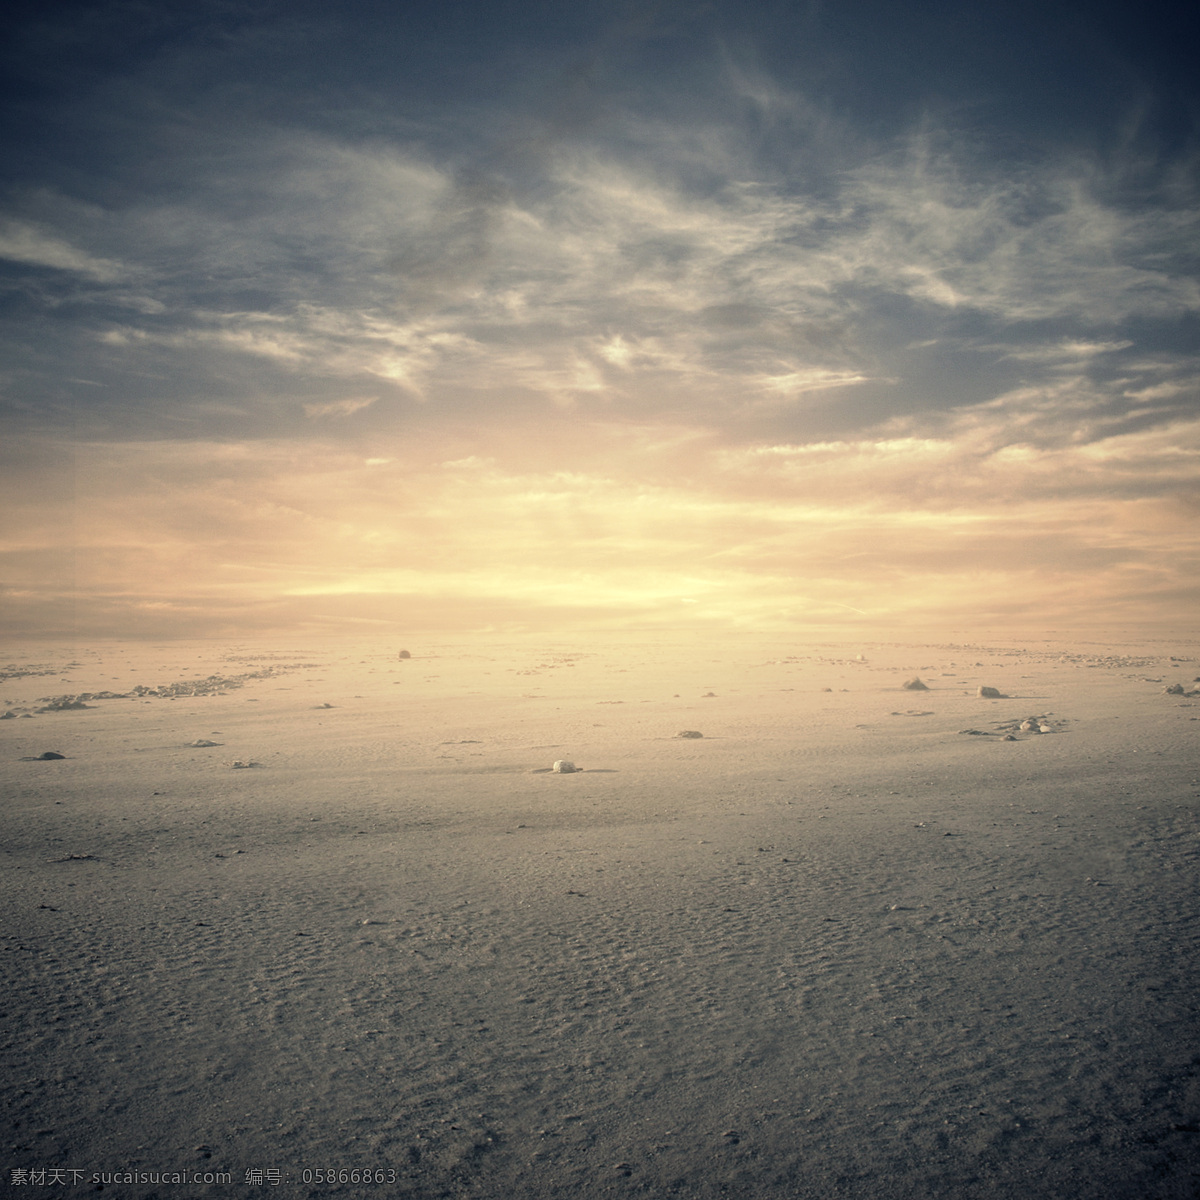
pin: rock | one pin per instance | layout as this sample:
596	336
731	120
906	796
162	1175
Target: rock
201	742
8	716
990	693
563	767
47	755
404	654
1008	737
1173	689
914	685
976	732
689	733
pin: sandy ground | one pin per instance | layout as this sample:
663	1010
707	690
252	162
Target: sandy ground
834	947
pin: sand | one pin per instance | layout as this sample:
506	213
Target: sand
835	946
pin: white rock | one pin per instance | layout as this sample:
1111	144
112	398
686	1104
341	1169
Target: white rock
563	767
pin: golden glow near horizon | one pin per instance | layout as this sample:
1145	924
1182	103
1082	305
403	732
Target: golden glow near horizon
646	526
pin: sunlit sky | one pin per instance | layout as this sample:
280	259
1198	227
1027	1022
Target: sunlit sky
523	316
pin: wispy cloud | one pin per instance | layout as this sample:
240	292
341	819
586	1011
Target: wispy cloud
23	242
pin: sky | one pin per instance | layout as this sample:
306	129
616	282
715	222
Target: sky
682	314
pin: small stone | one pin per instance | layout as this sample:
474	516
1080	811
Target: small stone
404	654
47	755
914	685
990	693
564	767
689	733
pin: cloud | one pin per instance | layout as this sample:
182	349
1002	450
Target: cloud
340	408
23	242
611	279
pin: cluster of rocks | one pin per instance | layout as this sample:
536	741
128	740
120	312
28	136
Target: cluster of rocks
66	703
1008	730
1040	723
1177	689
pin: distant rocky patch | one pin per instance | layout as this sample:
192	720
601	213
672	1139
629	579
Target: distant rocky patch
212	685
64	703
12	671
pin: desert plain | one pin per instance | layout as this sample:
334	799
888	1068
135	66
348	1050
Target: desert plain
285	913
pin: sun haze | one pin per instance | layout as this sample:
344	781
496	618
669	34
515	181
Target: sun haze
537	317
